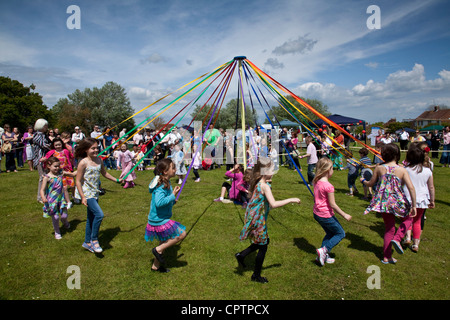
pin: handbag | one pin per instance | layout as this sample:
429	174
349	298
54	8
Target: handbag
6	147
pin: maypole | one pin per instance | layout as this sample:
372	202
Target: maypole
244	151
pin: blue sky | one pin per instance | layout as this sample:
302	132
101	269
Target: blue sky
317	49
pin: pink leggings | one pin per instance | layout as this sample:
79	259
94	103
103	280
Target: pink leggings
390	234
416	225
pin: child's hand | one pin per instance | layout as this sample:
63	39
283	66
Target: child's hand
413	212
347	217
431	205
176	190
295	200
84	201
44	200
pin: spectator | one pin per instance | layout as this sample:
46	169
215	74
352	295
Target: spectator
9	139
27	137
41	145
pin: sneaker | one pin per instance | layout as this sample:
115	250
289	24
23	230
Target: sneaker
57	236
197	180
321	255
329	259
127	185
218	200
397	246
69	205
180	181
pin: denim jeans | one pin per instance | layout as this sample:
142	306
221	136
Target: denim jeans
334	232
311	174
94	219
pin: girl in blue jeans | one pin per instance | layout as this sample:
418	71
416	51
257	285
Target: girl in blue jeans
324	207
88	183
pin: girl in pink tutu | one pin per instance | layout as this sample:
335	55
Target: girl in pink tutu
160	225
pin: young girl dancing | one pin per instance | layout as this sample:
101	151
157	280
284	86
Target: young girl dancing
422	179
126	163
255	225
52	194
324	207
88	183
160	226
390	200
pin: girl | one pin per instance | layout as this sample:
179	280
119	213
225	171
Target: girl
243	186
88	183
178	160
324	207
390	200
160	226
27	137
255	225
197	162
236	175
422	179
52	194
126	163
59	150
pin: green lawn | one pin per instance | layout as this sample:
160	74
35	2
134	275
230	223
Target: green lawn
33	265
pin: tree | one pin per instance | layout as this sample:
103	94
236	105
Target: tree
19	106
228	115
280	114
107	106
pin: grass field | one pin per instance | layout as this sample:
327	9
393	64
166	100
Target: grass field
33	265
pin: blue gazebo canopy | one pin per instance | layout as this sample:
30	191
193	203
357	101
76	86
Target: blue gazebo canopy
341	120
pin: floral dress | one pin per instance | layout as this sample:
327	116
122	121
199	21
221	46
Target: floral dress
255	227
55	196
390	197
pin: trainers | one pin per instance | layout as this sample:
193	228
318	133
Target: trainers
218	200
397	246
197	180
329	259
69	205
321	255
57	236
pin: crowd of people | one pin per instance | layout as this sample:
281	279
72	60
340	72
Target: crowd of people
70	166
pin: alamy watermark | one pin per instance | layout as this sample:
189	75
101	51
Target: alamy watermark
74	20
374	21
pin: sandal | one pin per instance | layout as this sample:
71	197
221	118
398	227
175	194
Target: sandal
87	246
158	256
349	194
161	269
391	261
415	248
96	246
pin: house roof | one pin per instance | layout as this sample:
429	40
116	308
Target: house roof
443	114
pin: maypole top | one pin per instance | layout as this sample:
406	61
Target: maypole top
240	58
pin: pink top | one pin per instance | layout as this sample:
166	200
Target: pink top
322	207
237	180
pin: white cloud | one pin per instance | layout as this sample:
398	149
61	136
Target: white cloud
403	95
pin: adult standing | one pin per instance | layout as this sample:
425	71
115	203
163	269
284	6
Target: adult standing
445	157
97	134
27	137
404	139
41	145
18	147
435	144
418	137
9	139
77	136
212	137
